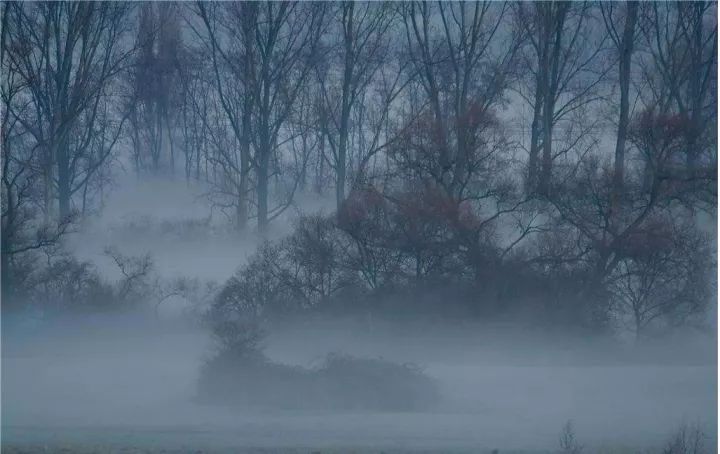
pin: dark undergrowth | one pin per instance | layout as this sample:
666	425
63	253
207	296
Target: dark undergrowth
240	374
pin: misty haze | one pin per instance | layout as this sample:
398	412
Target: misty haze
361	227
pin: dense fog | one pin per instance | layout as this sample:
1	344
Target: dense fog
359	227
133	382
130	379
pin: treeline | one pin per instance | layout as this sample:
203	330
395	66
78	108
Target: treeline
528	148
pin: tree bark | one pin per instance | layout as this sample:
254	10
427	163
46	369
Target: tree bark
532	177
262	190
341	170
626	49
6	245
63	166
242	208
696	91
555	22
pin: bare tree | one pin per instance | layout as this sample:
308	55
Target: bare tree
156	87
361	53
135	272
678	68
568	440
277	41
624	44
195	104
67	54
663	275
463	74
230	36
689	439
564	52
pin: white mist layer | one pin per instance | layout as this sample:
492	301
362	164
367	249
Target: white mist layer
133	381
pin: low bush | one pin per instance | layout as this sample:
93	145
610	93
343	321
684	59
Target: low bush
355	264
347	382
240	374
65	283
688	439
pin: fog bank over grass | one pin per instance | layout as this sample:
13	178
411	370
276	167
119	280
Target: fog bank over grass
316	227
132	377
174	222
133	380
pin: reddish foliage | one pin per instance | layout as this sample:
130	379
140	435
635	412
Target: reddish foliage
663	126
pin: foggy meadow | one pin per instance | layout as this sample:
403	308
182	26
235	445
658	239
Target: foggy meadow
359	227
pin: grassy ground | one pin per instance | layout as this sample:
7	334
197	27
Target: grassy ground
105	449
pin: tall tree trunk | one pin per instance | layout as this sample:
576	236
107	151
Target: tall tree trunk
158	136
136	142
171	143
546	171
320	171
696	92
348	68
342	161
244	164
63	166
47	176
638	325
536	175
531	183
555	22
262	190
303	168
626	49
5	272
6	234
198	150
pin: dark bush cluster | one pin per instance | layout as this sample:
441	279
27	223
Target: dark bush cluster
462	185
240	374
64	283
68	283
146	226
405	253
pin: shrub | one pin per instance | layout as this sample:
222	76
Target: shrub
240	374
315	259
263	287
347	382
296	273
135	283
688	439
68	283
568	440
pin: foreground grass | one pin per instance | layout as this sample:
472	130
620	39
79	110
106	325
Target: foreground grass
105	449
